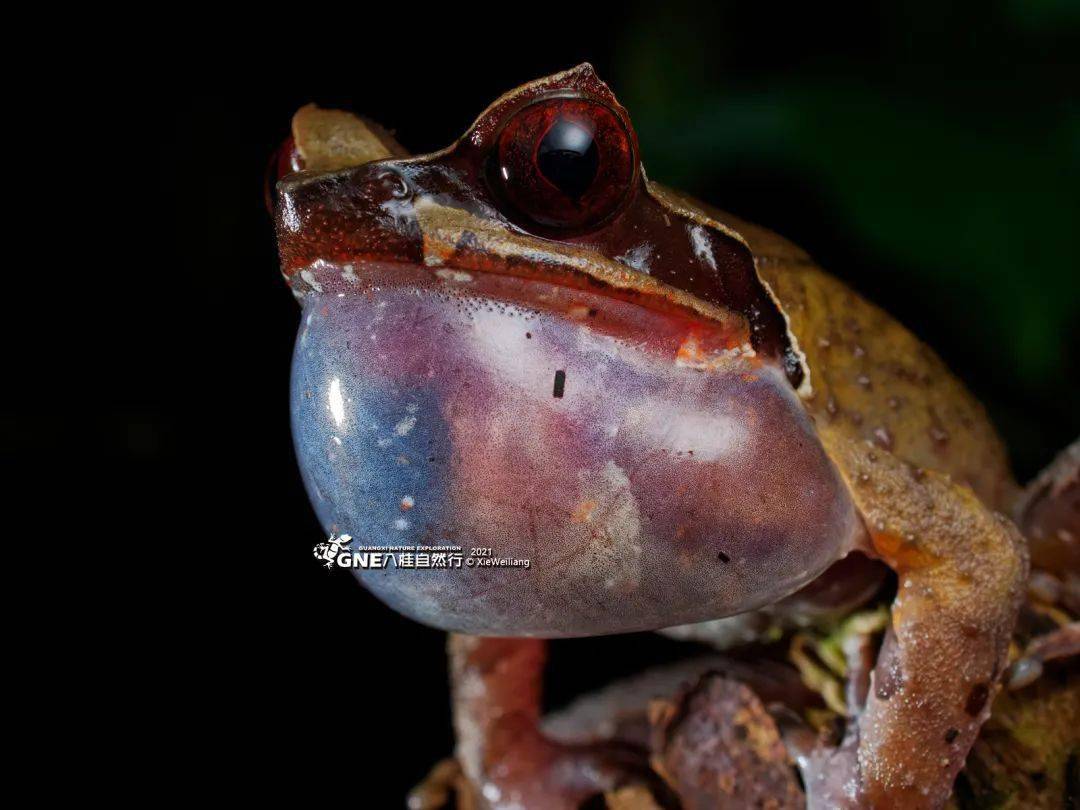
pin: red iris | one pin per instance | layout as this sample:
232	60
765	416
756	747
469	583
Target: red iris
564	163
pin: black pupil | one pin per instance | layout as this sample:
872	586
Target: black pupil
568	158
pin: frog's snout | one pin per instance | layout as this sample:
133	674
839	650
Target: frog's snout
353	216
330	176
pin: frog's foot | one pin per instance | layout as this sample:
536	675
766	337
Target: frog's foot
961	571
511	763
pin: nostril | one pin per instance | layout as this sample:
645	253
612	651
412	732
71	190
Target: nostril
284	160
392	182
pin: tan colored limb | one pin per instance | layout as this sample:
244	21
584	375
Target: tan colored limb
961	571
497	685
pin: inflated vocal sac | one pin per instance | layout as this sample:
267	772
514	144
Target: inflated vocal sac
577	432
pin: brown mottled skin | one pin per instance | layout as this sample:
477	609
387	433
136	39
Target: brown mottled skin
874	380
924	468
931	479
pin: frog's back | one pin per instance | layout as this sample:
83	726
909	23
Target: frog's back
872	379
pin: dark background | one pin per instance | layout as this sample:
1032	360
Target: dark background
928	156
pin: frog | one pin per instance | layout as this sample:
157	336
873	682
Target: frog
591	404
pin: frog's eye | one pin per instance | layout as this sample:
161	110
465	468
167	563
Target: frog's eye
564	163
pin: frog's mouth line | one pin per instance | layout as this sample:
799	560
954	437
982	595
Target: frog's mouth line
649	323
531	284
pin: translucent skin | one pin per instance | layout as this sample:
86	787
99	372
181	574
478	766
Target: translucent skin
649	493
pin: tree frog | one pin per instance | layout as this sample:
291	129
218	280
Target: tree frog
629	411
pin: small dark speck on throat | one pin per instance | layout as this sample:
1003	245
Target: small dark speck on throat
560	384
722	557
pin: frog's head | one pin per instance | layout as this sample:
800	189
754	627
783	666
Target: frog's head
520	343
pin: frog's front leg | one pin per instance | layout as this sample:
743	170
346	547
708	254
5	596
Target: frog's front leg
961	570
497	686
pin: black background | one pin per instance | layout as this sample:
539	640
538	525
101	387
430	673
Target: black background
187	417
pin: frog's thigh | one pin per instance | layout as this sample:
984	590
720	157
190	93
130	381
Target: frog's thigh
961	570
497	685
497	688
